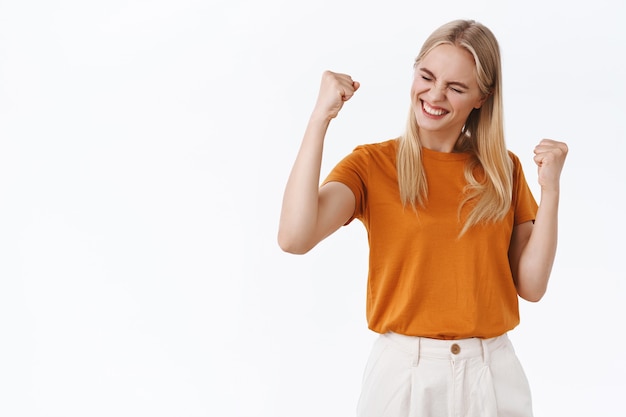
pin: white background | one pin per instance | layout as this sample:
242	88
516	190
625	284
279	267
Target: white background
144	147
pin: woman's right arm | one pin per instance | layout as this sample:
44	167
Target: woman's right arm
310	213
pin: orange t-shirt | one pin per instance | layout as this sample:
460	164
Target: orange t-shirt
423	279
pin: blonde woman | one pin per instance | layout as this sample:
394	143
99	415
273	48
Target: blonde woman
455	234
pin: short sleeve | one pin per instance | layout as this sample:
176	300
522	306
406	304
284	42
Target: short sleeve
523	201
352	171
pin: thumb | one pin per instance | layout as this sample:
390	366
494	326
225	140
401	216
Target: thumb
348	94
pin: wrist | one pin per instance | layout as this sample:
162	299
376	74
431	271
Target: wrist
324	112
550	196
551	190
320	118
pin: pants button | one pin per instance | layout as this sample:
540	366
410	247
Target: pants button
455	349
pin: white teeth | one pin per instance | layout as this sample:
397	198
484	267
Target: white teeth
432	111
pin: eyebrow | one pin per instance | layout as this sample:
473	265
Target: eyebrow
429	72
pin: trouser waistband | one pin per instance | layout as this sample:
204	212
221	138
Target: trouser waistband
447	349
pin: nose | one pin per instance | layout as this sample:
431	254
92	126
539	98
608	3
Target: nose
436	92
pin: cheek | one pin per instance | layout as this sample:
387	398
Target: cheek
415	101
416	89
463	105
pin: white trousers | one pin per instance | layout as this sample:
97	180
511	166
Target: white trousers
420	377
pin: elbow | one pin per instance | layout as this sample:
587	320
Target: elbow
532	295
290	244
532	282
533	298
293	249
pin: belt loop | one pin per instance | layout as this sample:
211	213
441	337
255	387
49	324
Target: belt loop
416	354
486	355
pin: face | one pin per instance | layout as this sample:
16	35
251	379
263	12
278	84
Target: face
444	92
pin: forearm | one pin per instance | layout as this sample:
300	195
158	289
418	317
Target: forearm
300	227
300	201
537	258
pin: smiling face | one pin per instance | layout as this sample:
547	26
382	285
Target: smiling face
444	92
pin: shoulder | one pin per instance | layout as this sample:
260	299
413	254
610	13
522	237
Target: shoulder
385	149
517	165
518	169
378	156
514	157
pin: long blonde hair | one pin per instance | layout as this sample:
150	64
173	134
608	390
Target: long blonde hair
482	135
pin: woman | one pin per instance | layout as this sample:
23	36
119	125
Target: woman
455	234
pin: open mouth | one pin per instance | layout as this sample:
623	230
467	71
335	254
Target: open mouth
433	111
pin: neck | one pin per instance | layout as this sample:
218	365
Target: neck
438	141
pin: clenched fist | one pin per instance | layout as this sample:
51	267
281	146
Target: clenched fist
550	157
335	89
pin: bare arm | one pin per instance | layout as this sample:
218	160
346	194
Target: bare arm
310	213
533	246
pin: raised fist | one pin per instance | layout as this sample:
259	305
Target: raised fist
335	89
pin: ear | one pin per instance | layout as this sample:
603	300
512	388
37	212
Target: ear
482	100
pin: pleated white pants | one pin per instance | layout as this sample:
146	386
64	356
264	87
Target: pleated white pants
420	377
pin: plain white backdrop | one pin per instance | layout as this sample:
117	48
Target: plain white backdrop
144	147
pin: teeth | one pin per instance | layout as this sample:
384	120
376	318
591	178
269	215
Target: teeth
432	111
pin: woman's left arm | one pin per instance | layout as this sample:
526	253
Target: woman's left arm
533	246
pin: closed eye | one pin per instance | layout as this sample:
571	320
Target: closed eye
426	74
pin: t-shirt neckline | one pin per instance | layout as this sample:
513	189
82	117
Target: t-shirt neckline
444	156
